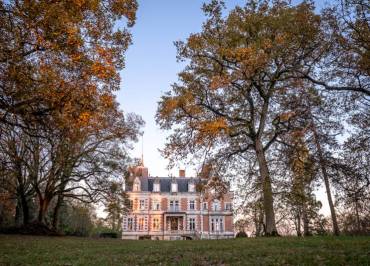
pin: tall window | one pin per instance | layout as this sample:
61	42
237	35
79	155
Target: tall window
136	184
217	224
141	224
130	224
192	205
228	206
216	205
130	204
205	207
156	205
142	204
174	205
191	224
155	224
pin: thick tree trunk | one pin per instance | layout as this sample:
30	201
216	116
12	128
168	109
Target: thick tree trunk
268	202
56	212
44	204
326	181
25	210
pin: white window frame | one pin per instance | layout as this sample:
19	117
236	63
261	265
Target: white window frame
174	205
217	224
191	205
191	187
156	187
216	205
156	224
156	205
141	224
142	206
205	206
174	187
228	206
192	224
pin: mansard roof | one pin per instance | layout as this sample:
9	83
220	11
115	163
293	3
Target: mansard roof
165	183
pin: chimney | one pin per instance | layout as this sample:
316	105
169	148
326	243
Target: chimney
181	173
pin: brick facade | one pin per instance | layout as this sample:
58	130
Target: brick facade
179	214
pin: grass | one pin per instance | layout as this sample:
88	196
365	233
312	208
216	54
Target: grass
34	250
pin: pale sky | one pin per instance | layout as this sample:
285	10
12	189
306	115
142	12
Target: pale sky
151	68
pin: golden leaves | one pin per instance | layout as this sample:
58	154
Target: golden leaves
195	42
219	82
210	129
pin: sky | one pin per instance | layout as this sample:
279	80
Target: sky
151	68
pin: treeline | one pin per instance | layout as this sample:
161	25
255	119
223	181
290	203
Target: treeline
275	97
63	137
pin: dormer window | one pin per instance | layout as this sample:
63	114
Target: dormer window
136	186
174	187
191	187
156	187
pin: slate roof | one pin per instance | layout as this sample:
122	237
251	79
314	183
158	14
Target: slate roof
165	183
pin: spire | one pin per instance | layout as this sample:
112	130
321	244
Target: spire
142	150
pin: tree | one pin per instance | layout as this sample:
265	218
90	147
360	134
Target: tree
343	63
228	100
60	55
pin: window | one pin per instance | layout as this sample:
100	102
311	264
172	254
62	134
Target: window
174	205
130	204
173	187
142	204
156	205
136	184
191	205
216	205
130	224
217	224
141	224
228	206
155	224
191	187
192	224
156	187
205	207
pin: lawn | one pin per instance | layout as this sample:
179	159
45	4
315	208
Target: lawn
32	250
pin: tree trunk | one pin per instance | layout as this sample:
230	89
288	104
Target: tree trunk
299	233
326	181
56	212
358	223
25	210
268	202
306	228
44	204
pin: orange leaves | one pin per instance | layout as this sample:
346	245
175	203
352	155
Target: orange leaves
219	82
103	71
84	118
210	129
195	42
169	104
